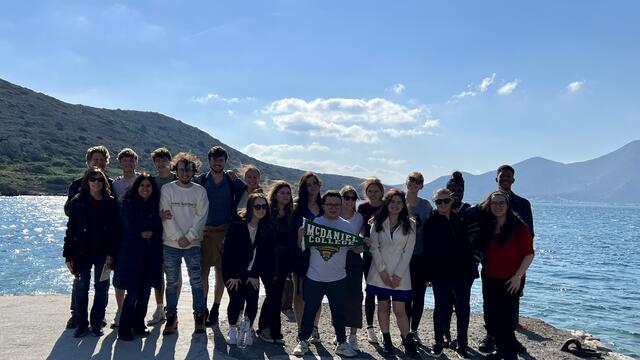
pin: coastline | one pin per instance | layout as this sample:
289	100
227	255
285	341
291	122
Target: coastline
34	329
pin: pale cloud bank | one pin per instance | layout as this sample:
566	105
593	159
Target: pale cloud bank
212	97
260	123
509	87
278	150
390	162
575	86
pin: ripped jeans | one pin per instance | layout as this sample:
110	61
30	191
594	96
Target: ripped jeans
172	263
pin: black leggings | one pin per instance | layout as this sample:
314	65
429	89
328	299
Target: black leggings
460	288
415	306
500	307
270	312
369	299
244	296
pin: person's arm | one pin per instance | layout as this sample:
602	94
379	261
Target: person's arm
71	192
69	239
200	219
405	256
169	228
516	280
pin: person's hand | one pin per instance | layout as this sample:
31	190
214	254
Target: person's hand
253	282
367	240
232	284
165	215
395	281
385	278
232	175
147	234
69	266
357	249
514	284
183	242
300	236
109	261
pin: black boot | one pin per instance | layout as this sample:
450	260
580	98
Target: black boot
212	320
410	346
387	343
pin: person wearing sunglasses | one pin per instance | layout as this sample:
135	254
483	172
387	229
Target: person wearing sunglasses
249	253
91	243
449	265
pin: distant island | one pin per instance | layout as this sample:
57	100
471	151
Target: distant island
43	141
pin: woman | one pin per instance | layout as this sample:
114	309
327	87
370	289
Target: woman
393	237
419	209
373	191
506	260
450	267
308	206
248	256
90	242
252	179
139	264
456	186
281	208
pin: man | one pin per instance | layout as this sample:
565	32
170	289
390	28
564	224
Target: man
224	193
326	278
505	179
188	206
96	157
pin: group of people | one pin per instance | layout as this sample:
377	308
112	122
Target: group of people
143	226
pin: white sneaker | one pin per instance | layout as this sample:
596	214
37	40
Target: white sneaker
345	350
315	336
158	316
301	349
232	337
372	338
353	342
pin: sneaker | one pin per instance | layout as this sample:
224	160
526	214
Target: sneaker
232	336
172	324
244	332
437	349
301	349
81	331
158	316
212	320
71	323
104	322
141	331
487	344
410	346
345	350
372	338
290	315
353	342
198	320
265	335
116	320
462	353
416	338
97	331
315	336
388	347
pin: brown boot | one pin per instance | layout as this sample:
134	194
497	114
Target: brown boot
199	319
172	324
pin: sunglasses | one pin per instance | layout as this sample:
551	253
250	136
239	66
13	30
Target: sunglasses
442	201
350	198
260	207
92	179
415	180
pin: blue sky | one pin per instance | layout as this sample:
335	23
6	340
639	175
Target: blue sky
351	87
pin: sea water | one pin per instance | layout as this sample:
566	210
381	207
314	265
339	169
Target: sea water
586	273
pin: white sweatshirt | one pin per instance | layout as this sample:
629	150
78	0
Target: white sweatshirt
189	208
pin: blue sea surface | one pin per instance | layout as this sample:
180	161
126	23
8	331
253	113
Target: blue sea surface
586	273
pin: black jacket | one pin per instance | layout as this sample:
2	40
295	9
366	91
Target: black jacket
238	252
522	207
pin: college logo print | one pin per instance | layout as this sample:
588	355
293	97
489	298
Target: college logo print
328	240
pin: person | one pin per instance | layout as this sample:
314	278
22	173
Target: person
96	157
325	277
139	262
248	257
90	242
450	267
223	191
188	207
281	213
308	206
354	296
161	158
391	243
419	209
252	180
128	161
506	260
373	191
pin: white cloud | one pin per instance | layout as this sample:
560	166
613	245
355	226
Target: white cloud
509	87
575	86
486	82
398	88
212	97
432	123
279	150
462	95
390	162
396	133
261	123
474	90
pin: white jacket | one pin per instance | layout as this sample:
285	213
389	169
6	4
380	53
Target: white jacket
392	255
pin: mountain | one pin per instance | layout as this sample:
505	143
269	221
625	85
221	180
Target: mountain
611	178
43	142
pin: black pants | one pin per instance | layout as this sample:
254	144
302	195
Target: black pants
369	300
313	292
516	313
134	308
243	297
499	307
353	298
270	312
460	288
415	306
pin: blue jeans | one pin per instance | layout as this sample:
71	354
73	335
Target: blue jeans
172	262
81	294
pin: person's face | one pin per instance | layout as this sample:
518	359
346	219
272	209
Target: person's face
184	171
395	205
145	189
162	164
499	205
313	187
414	183
259	208
128	164
217	164
331	206
349	200
457	192
505	179
374	194
252	178
443	203
283	196
96	183
98	160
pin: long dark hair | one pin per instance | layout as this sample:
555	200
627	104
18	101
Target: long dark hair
84	186
273	203
512	218
383	213
133	194
303	194
248	214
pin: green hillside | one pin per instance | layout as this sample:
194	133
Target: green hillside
43	142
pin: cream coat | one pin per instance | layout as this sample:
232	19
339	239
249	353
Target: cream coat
392	255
